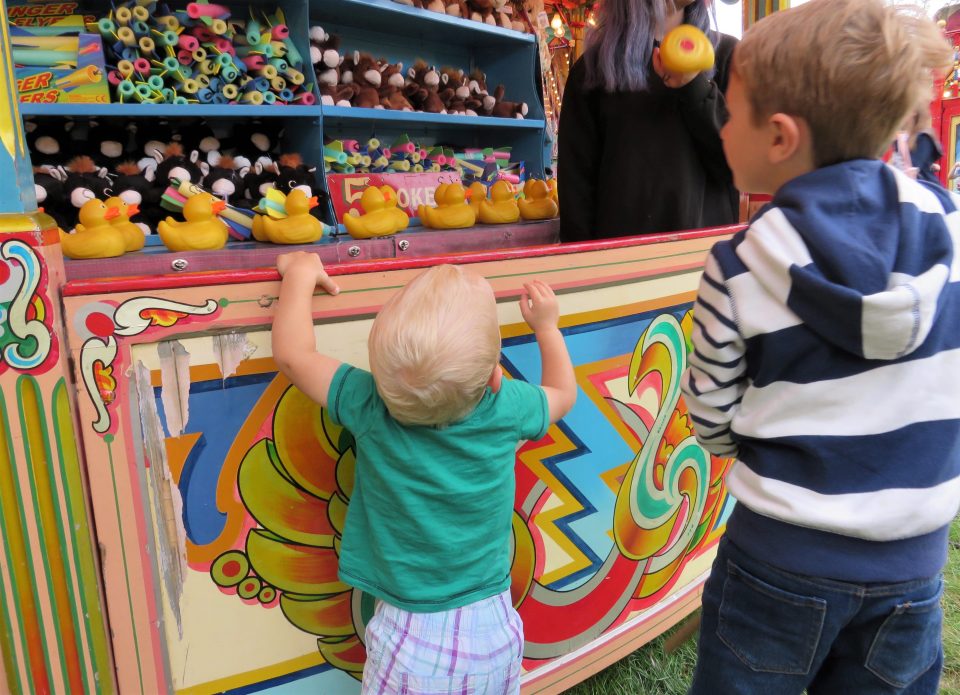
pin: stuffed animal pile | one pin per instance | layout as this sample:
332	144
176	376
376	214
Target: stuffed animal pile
77	163
501	13
360	80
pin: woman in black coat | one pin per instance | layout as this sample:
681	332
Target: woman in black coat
640	148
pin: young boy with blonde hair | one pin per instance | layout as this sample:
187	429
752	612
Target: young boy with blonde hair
428	530
826	361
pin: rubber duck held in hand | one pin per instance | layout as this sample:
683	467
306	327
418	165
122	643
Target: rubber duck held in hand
298	227
381	215
132	234
502	207
452	211
537	204
94	236
202	230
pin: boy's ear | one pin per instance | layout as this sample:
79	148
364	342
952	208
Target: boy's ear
496	379
788	135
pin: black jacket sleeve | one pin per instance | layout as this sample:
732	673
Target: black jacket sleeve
580	147
705	111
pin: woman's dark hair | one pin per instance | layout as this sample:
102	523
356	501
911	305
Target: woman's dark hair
620	47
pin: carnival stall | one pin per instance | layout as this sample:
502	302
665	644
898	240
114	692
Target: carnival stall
171	507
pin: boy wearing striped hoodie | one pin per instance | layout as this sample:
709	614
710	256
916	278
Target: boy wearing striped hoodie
827	362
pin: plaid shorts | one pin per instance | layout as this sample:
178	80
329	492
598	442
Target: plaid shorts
473	650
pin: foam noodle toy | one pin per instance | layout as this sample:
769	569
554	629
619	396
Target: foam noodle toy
126	36
188	42
140	13
168	22
106	27
124	15
196	10
686	49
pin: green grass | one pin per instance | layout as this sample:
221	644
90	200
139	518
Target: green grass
648	671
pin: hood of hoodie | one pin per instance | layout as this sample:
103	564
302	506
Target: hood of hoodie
867	252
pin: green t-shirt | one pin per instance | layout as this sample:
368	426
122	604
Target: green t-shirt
429	523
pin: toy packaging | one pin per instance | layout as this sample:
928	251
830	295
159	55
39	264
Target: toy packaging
55	60
47	18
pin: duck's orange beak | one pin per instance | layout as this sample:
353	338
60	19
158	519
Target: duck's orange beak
312	203
111	213
218	206
132	209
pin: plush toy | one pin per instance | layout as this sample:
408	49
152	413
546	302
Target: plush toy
49	145
134	184
173	164
105	144
327	64
151	136
82	181
510	15
457	8
456	94
200	136
508	109
483	11
424	88
255	140
49	192
225	178
392	86
432	5
324	49
363	72
262	176
482	101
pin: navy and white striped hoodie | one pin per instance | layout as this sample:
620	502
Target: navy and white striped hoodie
827	362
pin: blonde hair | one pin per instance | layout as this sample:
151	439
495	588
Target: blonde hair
434	346
852	69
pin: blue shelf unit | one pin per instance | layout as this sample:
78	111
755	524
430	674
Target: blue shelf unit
387	30
399	33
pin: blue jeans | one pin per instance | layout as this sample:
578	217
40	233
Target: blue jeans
765	631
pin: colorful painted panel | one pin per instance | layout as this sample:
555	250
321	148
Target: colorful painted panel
228	489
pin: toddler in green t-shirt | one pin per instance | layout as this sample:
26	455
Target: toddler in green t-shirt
436	426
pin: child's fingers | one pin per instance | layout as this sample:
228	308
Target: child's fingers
327	284
524	304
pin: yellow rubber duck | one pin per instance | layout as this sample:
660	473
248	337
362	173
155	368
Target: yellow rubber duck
452	211
502	207
381	215
686	49
477	194
202	230
298	227
132	234
554	191
94	236
537	203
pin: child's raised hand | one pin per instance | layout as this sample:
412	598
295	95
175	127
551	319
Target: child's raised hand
538	306
309	264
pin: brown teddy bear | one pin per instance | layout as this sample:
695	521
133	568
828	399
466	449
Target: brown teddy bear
481	100
392	85
483	11
433	5
362	72
456	94
423	91
507	109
